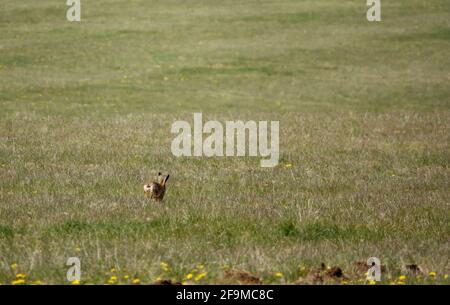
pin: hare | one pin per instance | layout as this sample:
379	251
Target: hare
156	190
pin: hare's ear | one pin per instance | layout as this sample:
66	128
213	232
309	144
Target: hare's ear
165	180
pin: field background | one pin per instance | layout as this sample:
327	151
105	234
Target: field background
86	111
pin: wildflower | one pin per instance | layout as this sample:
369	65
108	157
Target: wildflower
401	278
18	282
445	276
113	278
113	270
200	276
164	266
20	275
136	281
13	266
75	282
433	274
126	277
189	276
372	282
278	274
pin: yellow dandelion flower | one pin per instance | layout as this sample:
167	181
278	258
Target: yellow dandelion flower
402	278
164	266
433	274
18	282
14	266
278	274
126	277
189	276
113	278
20	275
372	282
75	282
200	276
136	281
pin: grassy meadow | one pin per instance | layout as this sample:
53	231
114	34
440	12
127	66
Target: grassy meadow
85	115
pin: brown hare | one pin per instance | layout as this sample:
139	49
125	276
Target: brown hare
156	190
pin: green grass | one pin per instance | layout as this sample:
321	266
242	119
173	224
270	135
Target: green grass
86	111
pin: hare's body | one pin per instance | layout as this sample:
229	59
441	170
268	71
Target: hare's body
156	190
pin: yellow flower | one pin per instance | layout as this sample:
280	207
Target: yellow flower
113	278
136	281
288	165
189	276
164	266
20	275
200	276
402	278
200	266
372	282
278	274
13	266
75	282
77	249
445	276
113	270
126	277
18	282
432	273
